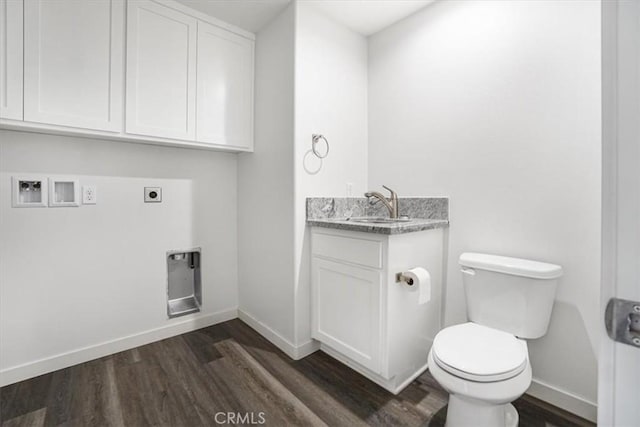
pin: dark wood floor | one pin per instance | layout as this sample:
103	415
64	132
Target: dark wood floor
228	374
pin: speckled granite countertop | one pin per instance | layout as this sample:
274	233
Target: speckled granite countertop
425	214
416	224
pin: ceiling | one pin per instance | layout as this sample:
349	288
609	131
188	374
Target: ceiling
369	16
362	16
250	15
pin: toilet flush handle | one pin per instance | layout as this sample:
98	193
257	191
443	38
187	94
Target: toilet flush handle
467	270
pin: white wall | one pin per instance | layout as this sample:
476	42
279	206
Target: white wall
497	105
265	186
330	99
73	278
311	76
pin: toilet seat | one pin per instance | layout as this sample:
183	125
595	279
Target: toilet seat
479	353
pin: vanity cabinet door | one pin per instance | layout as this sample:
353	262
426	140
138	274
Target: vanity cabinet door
161	71
347	310
225	87
73	63
11	59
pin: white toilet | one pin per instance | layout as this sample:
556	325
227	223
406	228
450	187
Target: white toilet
484	364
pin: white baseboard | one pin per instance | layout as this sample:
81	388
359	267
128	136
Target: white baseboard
303	350
33	369
563	399
290	349
395	385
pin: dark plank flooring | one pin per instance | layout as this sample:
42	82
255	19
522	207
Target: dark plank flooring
228	374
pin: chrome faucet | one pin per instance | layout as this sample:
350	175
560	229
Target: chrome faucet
391	204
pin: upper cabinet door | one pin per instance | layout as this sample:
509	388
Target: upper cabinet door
225	87
11	59
73	63
161	71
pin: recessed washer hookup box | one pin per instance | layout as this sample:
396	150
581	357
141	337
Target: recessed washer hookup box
184	288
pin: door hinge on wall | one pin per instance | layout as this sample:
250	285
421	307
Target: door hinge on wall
622	320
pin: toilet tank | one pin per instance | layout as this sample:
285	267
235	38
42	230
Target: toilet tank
510	294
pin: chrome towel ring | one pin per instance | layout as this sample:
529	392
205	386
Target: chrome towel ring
314	142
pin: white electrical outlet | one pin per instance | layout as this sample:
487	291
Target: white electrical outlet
89	195
349	189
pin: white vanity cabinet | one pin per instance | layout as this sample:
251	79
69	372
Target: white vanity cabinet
348	315
361	315
73	59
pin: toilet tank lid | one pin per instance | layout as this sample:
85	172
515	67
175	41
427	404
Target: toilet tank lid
514	266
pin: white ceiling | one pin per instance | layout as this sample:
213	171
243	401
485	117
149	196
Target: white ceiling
250	15
363	16
369	16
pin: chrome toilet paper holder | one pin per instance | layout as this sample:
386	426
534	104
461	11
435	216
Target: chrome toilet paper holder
400	277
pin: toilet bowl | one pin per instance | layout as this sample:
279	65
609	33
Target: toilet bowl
483	370
484	364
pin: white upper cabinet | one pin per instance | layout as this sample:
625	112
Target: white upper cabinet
161	71
225	87
73	63
189	76
11	59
